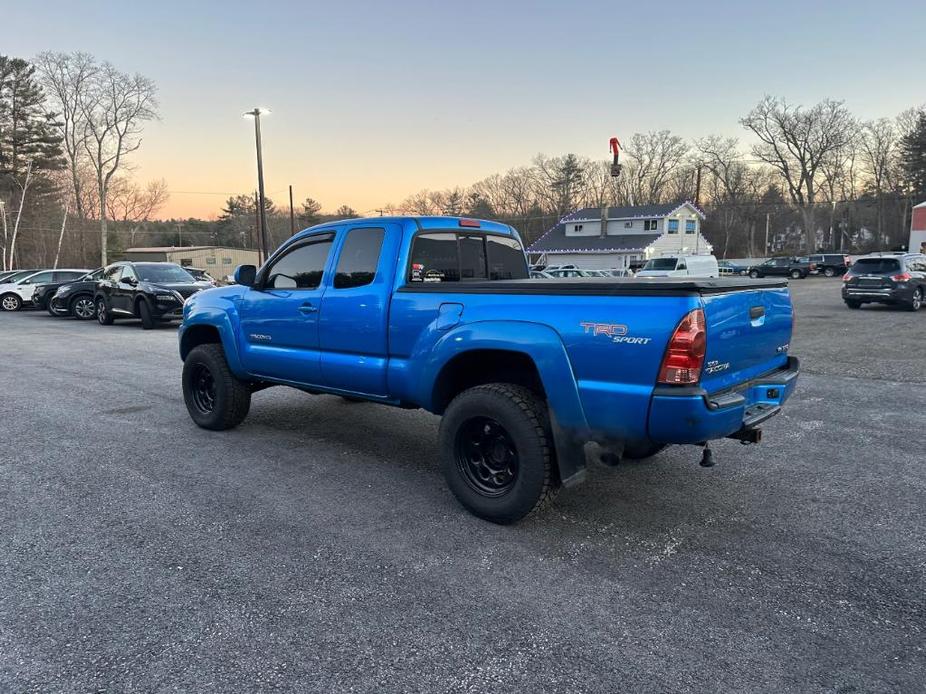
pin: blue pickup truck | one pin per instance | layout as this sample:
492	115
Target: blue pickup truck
533	378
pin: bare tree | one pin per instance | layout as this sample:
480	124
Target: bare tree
796	141
128	202
651	160
67	78
114	108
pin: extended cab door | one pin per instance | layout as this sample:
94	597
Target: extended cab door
279	316
353	327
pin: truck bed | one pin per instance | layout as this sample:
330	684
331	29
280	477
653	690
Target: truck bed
597	286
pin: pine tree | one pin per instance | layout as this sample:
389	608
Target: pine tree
27	129
913	159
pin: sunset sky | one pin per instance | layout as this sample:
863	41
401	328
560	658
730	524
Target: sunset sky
374	101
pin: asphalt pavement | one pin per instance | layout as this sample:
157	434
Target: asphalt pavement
316	548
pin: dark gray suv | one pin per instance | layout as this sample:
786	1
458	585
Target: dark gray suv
886	279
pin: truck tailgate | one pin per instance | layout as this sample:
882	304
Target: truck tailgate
748	334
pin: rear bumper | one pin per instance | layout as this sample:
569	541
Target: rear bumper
887	295
691	415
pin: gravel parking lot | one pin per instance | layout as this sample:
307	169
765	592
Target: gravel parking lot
316	547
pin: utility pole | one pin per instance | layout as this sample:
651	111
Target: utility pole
262	213
292	214
3	215
260	255
697	199
179	234
767	217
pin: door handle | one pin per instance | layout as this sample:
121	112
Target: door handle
306	309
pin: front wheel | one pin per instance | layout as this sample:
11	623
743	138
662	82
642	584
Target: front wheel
11	302
496	452
853	304
144	312
917	301
83	308
829	272
796	274
214	397
103	316
754	274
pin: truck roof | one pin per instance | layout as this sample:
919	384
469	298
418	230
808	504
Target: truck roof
426	222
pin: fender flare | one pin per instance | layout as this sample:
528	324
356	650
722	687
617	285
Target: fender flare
219	320
539	342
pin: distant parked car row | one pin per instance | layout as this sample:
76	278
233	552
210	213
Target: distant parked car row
152	292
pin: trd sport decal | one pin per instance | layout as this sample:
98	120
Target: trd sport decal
617	333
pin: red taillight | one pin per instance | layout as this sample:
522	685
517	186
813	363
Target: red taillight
685	354
902	277
470	223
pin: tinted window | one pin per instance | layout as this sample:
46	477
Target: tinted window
111	273
359	258
506	259
300	268
162	272
65	276
875	266
435	258
661	264
129	273
39	278
472	258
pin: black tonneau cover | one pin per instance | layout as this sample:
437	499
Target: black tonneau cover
599	286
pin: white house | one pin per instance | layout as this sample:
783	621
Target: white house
917	242
631	234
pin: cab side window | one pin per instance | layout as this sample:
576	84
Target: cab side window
359	258
112	273
301	267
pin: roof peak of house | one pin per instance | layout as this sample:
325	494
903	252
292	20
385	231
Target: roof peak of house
630	211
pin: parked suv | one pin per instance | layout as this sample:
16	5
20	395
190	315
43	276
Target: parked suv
795	268
152	292
43	294
886	279
830	264
16	294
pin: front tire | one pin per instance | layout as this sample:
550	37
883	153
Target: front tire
144	312
214	397
103	316
853	304
796	275
11	302
496	452
754	274
83	307
829	272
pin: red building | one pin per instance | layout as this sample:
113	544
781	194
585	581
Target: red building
918	229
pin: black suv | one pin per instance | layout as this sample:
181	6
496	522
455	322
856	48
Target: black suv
830	264
886	279
152	292
795	268
44	292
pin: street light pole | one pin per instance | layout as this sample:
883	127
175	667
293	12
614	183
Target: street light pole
256	113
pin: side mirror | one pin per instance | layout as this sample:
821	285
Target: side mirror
246	275
128	280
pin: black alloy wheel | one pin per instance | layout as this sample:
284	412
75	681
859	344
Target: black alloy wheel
202	389
486	456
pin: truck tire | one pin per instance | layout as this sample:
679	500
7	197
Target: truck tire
144	312
497	452
754	274
641	450
214	397
829	272
796	275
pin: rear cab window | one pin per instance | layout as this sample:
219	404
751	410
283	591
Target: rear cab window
466	256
